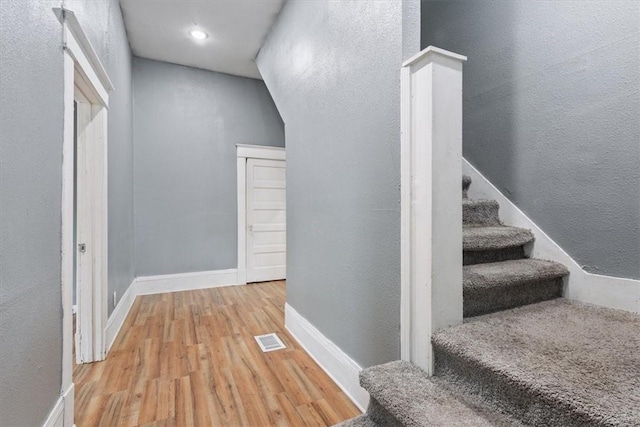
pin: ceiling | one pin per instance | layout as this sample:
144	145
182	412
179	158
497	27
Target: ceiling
159	29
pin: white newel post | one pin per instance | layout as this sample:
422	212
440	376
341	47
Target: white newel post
431	205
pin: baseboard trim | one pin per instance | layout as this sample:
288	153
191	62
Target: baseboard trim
55	418
146	285
119	314
606	291
69	405
343	370
61	414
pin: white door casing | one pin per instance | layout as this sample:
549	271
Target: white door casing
83	73
266	220
264	229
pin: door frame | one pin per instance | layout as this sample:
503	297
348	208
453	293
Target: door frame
84	71
249	152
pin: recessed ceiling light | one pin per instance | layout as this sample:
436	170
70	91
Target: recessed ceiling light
198	34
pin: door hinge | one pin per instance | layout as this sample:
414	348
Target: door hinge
82	248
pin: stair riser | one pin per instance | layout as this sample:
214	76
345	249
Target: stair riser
484	301
480	214
508	395
379	415
492	255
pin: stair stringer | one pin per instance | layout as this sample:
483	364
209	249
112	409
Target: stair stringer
580	285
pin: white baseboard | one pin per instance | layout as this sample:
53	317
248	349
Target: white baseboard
119	314
56	416
146	285
606	291
69	405
340	367
62	413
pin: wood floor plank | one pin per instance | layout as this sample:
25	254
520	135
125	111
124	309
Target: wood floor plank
190	359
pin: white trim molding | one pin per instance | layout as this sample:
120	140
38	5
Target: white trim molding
61	414
343	370
119	314
69	405
261	152
147	285
244	152
82	69
605	291
56	416
431	212
79	38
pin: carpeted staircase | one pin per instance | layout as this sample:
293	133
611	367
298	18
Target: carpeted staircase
523	356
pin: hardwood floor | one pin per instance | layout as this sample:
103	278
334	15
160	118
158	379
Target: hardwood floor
190	359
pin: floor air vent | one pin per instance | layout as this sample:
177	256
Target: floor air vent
269	342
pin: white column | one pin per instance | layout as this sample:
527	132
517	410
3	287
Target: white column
431	200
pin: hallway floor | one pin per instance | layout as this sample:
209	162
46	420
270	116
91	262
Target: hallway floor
190	359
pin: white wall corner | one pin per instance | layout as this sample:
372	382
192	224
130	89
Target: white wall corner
343	370
605	291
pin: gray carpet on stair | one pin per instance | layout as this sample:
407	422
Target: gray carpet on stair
480	212
380	416
554	363
493	244
502	285
492	255
414	399
550	363
485	238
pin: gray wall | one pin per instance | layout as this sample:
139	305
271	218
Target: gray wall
551	115
333	69
31	113
102	20
187	122
30	197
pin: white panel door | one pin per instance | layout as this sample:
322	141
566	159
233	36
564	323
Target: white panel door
266	220
84	227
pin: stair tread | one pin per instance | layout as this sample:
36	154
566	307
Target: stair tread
415	399
494	237
573	357
507	273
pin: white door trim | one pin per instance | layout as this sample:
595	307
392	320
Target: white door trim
83	69
249	152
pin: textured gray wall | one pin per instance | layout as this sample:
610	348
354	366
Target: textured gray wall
551	115
333	69
31	112
30	197
102	20
187	123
